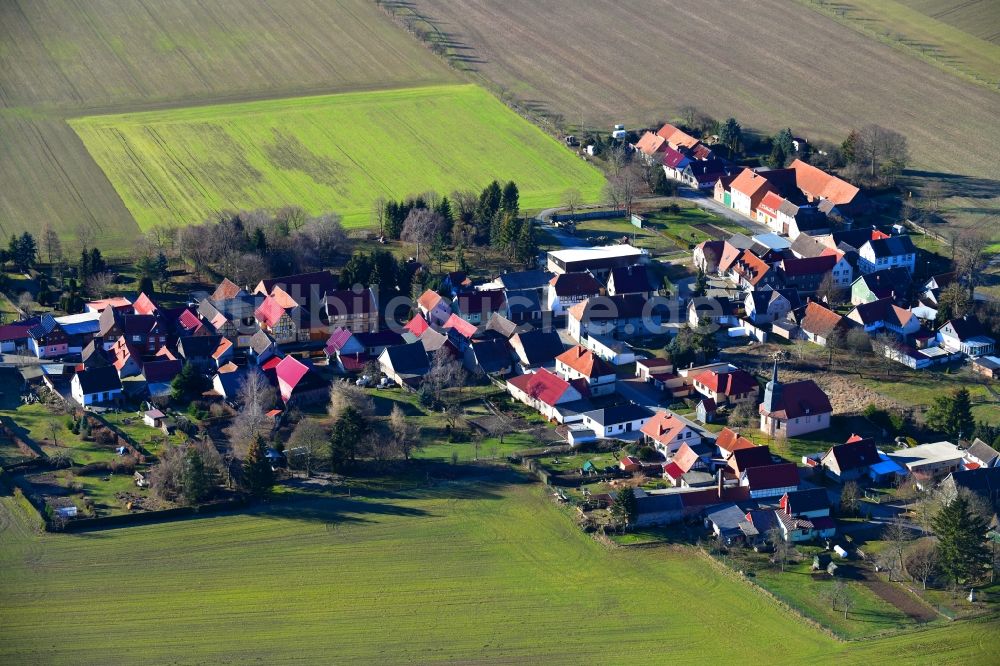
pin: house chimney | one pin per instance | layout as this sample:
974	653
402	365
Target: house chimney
718	475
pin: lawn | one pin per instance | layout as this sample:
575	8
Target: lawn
919	388
36	420
455	573
489	448
326	153
797	587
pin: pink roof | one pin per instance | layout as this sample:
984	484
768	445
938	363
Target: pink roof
462	327
338	339
269	312
189	321
672	157
290	372
417	325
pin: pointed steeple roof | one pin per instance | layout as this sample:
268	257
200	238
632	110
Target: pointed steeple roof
772	392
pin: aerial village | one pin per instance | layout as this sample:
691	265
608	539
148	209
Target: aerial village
693	437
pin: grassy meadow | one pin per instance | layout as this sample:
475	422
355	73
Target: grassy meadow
326	153
486	571
60	59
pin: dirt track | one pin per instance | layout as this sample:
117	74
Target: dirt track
898	597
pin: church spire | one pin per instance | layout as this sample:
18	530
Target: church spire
772	392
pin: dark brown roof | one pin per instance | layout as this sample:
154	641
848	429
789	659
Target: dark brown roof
576	284
772	476
742	459
855	455
801	398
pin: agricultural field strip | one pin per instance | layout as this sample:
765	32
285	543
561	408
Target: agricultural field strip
333	152
482	572
832	78
63	59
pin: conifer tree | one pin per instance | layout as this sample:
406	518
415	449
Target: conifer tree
961	533
257	475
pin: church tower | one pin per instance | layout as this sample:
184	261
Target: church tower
772	391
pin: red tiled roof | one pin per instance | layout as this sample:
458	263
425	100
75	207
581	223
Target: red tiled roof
586	362
337	340
675	137
417	325
685	458
730	253
226	290
672	158
730	440
349	302
189	321
462	327
749	182
650	143
755	456
16	331
820	320
750	267
116	302
542	385
727	383
224	345
354	362
663	427
673	470
429	300
290	372
271	363
770	203
799	399
575	284
817	183
144	305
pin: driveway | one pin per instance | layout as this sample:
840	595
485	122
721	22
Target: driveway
708	203
696	197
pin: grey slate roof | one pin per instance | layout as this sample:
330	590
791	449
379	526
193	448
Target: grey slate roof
619	414
99	380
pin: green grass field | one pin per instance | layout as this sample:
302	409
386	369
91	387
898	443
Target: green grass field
327	153
458	573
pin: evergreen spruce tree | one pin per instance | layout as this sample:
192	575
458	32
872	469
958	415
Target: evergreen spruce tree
510	202
195	482
257	475
961	534
625	507
345	438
